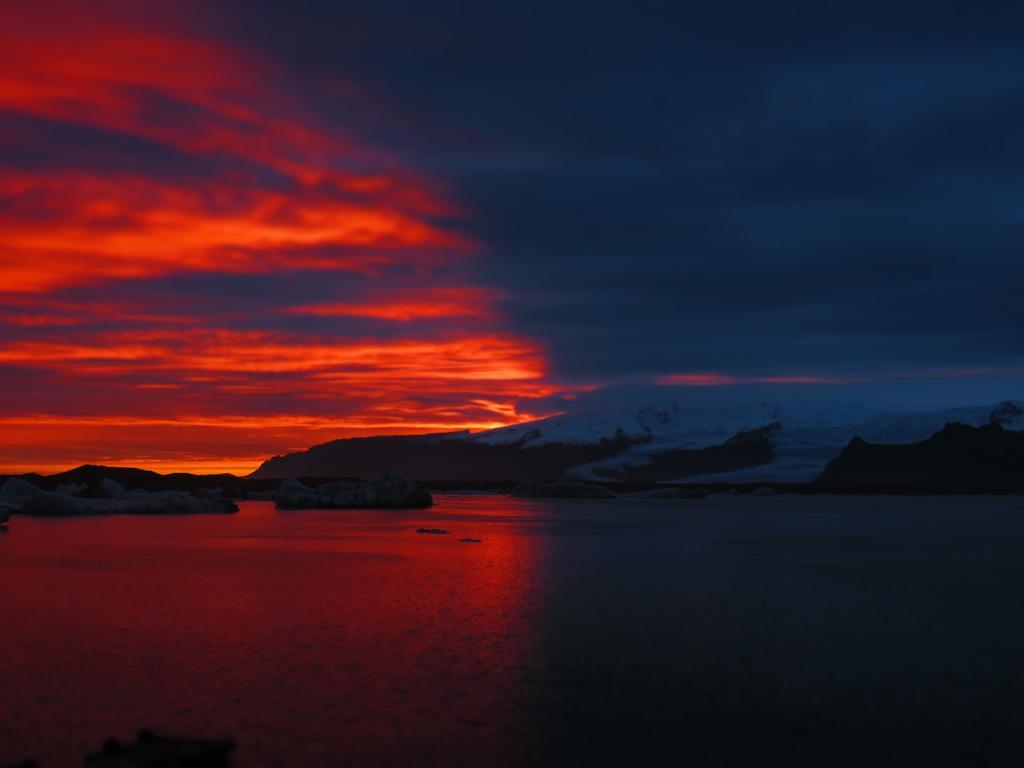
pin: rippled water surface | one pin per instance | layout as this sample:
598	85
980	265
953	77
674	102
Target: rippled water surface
729	630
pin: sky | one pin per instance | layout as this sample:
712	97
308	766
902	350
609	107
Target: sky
231	229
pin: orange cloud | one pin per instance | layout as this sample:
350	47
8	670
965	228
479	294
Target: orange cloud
110	350
473	358
201	98
78	229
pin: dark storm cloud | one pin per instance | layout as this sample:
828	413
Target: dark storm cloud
667	186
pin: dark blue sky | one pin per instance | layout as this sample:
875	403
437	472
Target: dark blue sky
748	187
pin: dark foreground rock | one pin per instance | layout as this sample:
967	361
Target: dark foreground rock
534	490
5	515
55	504
150	750
164	503
390	491
30	500
956	458
16	486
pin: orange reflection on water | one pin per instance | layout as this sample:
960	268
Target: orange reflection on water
314	637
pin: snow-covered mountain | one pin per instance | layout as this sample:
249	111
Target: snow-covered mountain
665	442
805	444
664	424
803	439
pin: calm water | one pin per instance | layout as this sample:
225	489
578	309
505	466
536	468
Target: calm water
812	630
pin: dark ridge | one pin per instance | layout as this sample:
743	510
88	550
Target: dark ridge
239	486
957	458
441	459
90	476
742	450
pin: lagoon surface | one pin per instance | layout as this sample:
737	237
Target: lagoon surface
734	630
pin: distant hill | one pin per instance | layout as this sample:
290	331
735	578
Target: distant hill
657	443
442	457
667	442
958	457
138	479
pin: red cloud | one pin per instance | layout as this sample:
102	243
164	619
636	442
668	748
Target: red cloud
259	187
198	97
